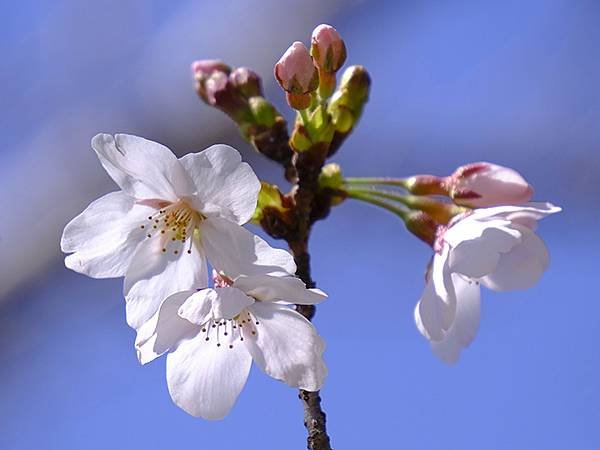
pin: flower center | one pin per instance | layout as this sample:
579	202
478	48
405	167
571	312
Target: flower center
225	333
174	224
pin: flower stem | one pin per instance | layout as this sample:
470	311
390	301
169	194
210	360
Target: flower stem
400	182
369	197
439	211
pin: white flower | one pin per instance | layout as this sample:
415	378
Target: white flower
168	217
213	335
496	247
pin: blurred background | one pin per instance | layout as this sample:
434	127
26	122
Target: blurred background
514	82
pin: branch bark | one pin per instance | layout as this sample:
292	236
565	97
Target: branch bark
308	167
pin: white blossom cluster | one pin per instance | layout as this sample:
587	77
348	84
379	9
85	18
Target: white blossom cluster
170	219
173	220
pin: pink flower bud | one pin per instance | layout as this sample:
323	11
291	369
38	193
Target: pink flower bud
484	184
295	71
246	81
215	85
327	48
205	67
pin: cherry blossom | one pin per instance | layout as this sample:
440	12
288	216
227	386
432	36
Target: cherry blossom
169	216
213	335
496	247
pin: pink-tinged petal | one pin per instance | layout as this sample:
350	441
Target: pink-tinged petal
478	257
219	303
466	322
522	266
154	275
287	347
104	237
271	288
204	379
484	184
226	187
164	330
235	251
143	169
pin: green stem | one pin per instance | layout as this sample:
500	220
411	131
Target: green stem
304	115
367	197
440	211
401	182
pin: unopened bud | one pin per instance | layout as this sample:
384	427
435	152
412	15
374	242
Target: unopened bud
208	66
203	70
357	82
220	93
297	75
273	210
426	185
327	48
300	140
484	184
246	81
422	226
341	116
264	112
215	85
347	103
331	176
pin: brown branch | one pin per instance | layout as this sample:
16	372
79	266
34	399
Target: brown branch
308	167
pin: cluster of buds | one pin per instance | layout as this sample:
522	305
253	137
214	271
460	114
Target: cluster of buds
238	93
300	72
326	116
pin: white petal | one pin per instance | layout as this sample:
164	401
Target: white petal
143	169
235	251
532	210
443	287
431	314
225	186
205	380
219	303
419	321
522	267
164	330
466	323
287	347
154	276
479	256
105	236
272	288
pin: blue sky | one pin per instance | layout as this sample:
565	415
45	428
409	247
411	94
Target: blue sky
511	82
